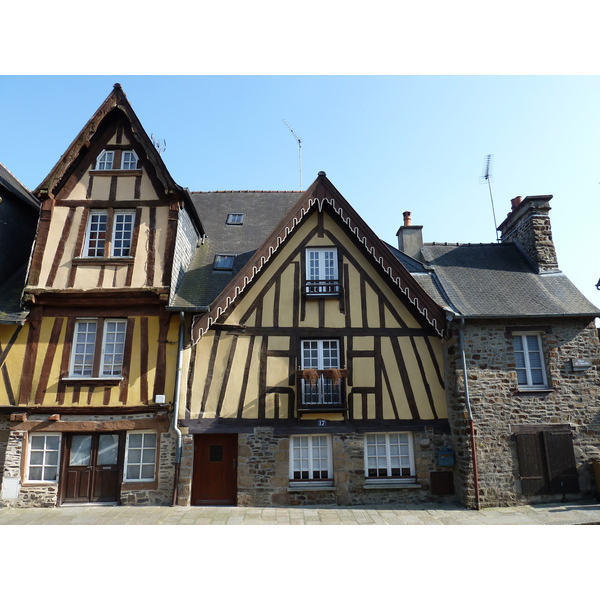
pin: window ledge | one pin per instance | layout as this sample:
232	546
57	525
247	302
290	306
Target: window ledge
92	380
308	488
390	485
104	260
115	172
532	390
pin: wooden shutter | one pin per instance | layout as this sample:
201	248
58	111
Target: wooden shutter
562	470
531	464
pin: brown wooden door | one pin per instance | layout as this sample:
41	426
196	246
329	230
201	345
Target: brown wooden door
91	468
215	469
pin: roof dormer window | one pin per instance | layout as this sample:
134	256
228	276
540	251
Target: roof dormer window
129	160
223	262
105	160
235	219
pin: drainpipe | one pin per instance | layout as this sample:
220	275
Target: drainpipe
176	407
469	412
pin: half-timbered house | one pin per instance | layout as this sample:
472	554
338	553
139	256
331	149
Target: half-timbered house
315	371
89	420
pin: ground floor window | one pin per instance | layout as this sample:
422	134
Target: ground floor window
390	456
140	456
44	454
310	460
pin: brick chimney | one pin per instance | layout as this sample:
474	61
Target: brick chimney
410	237
528	226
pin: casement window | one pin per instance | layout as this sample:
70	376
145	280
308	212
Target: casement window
44	454
310	460
322	277
235	219
98	348
121	234
321	384
140	456
105	160
390	456
108	160
223	262
129	160
529	360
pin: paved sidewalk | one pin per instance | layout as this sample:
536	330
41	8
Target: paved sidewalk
430	514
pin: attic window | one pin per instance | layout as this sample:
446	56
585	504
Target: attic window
129	160
235	219
223	262
105	160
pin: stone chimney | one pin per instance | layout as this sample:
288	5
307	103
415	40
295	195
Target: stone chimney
410	237
528	226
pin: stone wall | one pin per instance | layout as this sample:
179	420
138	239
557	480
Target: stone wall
497	404
263	472
46	494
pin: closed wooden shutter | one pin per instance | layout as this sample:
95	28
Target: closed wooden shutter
560	457
532	470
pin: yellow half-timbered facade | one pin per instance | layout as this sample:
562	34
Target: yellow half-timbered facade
89	415
317	374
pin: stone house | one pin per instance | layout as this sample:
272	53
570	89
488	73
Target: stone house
267	348
521	357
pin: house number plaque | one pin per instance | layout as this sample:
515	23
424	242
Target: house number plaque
321	422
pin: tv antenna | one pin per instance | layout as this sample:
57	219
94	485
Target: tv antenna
299	149
487	176
160	145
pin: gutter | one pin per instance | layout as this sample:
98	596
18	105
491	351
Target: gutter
177	391
470	414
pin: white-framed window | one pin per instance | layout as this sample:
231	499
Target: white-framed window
390	456
529	360
235	219
223	262
85	347
105	160
322	271
311	460
140	456
44	457
320	355
129	160
97	233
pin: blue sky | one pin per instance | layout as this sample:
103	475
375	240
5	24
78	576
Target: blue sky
388	143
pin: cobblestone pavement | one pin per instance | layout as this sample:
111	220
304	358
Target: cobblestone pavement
424	514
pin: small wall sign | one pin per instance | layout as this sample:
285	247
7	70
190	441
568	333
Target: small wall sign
580	364
321	422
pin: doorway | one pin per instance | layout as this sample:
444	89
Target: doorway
215	469
92	467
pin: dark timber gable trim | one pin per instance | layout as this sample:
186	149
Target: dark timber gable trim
322	193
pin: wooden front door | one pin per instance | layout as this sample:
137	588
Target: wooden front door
92	467
215	469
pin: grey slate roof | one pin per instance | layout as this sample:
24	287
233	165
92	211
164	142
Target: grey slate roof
262	210
18	218
9	182
497	280
10	297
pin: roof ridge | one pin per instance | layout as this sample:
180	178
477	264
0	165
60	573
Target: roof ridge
250	192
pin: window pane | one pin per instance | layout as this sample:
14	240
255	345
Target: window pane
122	234
108	449
96	234
81	447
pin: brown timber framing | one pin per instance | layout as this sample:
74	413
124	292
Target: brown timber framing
316	198
292	426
